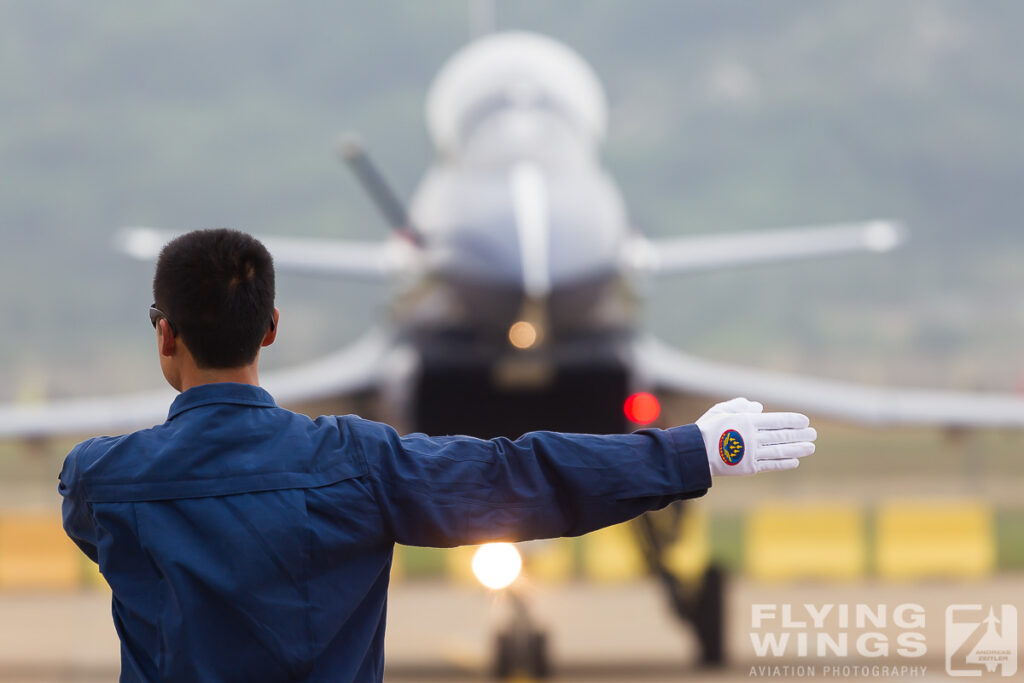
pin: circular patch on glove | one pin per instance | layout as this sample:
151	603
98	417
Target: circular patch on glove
731	447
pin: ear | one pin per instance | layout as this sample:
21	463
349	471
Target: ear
166	342
271	334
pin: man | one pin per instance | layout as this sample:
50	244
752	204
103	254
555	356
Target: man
244	542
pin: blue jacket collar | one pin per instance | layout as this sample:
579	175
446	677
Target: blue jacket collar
220	392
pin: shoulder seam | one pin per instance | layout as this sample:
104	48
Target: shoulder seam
373	477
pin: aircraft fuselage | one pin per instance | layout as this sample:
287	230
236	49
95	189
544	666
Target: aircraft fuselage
520	226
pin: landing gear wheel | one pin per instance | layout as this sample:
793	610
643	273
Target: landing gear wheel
504	656
538	655
526	655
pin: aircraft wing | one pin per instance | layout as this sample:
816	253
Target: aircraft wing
85	416
313	256
706	252
668	368
352	369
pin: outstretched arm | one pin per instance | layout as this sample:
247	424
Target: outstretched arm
455	490
446	491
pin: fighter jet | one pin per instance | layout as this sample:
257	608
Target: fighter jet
518	273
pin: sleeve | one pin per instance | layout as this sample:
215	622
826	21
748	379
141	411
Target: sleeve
78	520
455	490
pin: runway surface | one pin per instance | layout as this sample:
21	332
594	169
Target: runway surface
439	632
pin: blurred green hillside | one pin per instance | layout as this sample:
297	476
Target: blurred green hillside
725	115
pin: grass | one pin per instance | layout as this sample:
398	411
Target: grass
1010	539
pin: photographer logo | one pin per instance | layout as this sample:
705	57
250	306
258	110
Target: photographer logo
981	640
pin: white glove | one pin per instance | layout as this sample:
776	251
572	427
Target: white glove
740	439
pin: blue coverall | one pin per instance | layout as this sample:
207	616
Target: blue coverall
244	542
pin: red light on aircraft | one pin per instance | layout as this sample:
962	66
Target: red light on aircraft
642	408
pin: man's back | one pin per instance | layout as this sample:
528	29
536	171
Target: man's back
244	542
240	544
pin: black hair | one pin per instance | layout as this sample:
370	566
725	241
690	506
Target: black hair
217	288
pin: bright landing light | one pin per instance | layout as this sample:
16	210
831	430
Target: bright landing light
497	565
522	334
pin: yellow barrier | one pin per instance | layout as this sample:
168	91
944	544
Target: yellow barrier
690	554
459	564
783	541
36	554
611	555
549	561
935	538
786	541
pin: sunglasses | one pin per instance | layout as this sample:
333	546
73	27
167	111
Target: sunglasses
155	314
